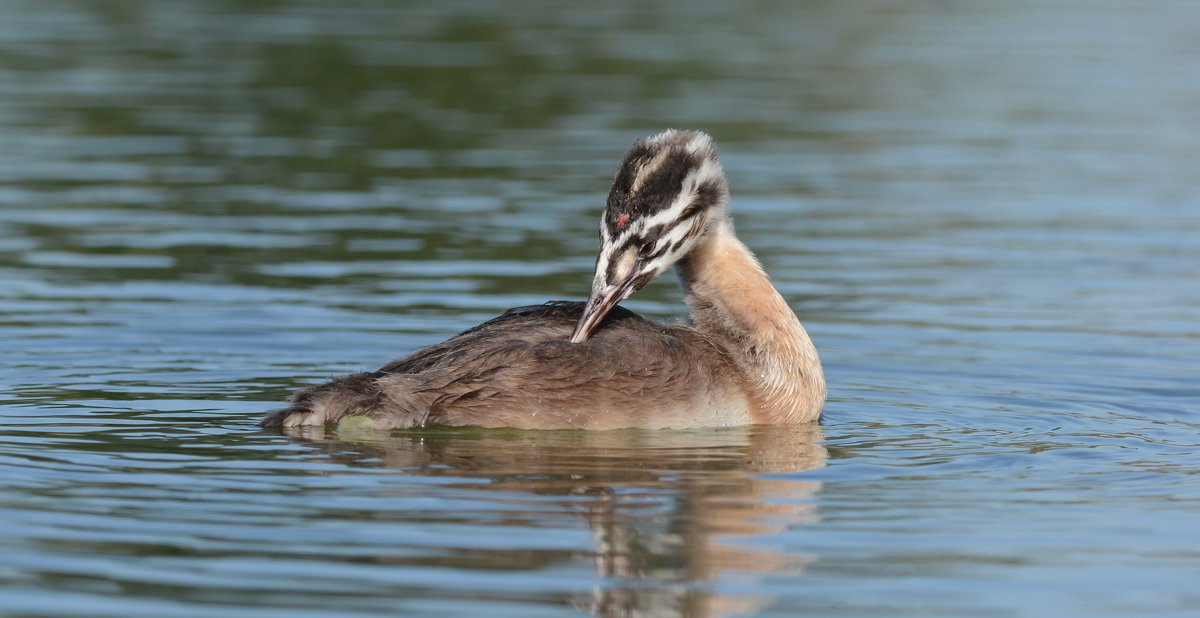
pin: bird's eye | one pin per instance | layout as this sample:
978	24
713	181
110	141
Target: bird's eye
646	250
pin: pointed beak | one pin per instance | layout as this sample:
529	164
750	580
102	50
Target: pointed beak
601	301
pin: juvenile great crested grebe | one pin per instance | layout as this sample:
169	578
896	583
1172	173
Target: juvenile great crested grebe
743	359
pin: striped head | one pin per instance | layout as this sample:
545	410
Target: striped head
667	193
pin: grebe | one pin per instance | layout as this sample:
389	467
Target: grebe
743	359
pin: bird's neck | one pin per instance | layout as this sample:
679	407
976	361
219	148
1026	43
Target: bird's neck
733	302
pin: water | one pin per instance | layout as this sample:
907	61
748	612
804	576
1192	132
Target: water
987	216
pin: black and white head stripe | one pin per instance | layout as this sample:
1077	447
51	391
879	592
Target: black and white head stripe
663	186
667	192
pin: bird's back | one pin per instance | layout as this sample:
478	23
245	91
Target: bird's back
520	370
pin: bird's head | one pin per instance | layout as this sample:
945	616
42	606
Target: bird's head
667	194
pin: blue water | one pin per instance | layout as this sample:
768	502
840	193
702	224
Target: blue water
988	217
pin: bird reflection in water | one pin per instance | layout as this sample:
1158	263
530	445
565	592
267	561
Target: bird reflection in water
668	511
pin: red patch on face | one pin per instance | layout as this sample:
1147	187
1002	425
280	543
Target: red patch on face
622	220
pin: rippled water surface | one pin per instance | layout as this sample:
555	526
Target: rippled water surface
988	217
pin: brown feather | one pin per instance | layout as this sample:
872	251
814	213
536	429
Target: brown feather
518	370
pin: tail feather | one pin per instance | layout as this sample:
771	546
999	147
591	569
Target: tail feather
390	400
291	416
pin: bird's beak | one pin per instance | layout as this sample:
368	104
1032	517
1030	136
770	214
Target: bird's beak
599	303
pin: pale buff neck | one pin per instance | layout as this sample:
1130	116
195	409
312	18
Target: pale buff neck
733	302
